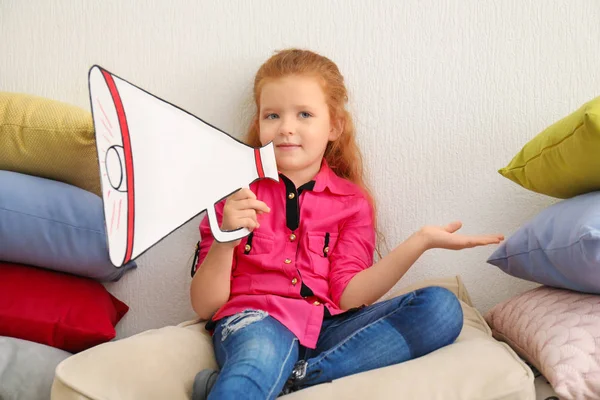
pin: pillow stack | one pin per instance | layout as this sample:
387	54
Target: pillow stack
53	250
556	326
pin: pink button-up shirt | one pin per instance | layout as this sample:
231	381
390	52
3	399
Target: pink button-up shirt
313	242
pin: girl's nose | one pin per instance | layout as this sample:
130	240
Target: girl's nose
286	128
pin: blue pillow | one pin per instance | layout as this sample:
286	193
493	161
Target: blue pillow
559	247
54	225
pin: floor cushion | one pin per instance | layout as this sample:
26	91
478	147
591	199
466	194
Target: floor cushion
172	356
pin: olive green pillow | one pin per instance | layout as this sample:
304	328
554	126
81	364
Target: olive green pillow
49	139
562	161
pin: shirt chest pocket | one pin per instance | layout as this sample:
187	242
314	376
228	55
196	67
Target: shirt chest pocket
320	246
252	250
256	243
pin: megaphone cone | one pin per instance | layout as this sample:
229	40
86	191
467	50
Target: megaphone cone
160	166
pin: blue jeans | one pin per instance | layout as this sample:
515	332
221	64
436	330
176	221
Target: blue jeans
257	354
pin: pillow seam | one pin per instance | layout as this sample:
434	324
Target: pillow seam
543	150
51	220
541	249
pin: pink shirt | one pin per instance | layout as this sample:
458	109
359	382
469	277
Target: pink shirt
298	263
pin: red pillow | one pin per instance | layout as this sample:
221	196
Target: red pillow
57	309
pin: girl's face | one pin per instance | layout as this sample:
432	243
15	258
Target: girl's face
294	115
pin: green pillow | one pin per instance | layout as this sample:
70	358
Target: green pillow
562	161
48	139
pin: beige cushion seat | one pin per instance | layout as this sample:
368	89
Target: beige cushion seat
162	363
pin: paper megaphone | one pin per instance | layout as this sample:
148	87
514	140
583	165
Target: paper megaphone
161	166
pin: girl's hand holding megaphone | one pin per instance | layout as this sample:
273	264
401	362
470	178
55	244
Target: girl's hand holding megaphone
240	211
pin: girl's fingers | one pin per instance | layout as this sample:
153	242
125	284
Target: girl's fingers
246	213
453	226
243	194
481	240
254	204
493	238
248	223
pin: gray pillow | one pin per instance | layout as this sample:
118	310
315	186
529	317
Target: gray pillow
27	369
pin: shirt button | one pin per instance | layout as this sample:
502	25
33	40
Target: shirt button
287	261
247	247
294	281
291	195
316	303
292	237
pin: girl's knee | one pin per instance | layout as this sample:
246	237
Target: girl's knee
442	309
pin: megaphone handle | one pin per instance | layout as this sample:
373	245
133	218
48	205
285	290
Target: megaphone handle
223	236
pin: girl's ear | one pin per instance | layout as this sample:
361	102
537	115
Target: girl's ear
337	127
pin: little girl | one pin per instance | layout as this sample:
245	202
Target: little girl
293	304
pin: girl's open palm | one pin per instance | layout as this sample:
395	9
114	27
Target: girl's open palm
445	237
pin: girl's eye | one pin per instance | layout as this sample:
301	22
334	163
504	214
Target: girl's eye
271	116
304	114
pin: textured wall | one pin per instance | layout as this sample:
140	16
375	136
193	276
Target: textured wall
444	93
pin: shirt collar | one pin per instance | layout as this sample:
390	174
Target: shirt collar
327	179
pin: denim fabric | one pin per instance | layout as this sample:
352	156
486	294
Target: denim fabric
258	356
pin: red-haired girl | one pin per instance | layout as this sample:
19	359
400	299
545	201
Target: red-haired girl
294	303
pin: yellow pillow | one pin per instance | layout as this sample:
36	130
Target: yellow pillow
49	139
562	161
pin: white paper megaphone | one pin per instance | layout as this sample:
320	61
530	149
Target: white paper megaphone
161	166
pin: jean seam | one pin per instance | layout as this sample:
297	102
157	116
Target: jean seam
282	366
224	349
322	356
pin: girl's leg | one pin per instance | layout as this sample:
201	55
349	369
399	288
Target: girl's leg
379	335
255	354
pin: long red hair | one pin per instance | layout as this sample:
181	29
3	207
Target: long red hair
342	155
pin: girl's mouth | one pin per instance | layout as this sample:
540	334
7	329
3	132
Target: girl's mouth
288	146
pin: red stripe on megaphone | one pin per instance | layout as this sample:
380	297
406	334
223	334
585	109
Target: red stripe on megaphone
128	161
259	166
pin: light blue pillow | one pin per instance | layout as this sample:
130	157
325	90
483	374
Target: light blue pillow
54	225
559	247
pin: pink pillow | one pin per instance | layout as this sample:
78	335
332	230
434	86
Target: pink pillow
558	332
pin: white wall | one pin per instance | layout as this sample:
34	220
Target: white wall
444	93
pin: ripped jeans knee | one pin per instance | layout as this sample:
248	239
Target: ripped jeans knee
255	354
240	320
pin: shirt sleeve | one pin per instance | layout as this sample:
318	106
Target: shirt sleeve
354	249
206	237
